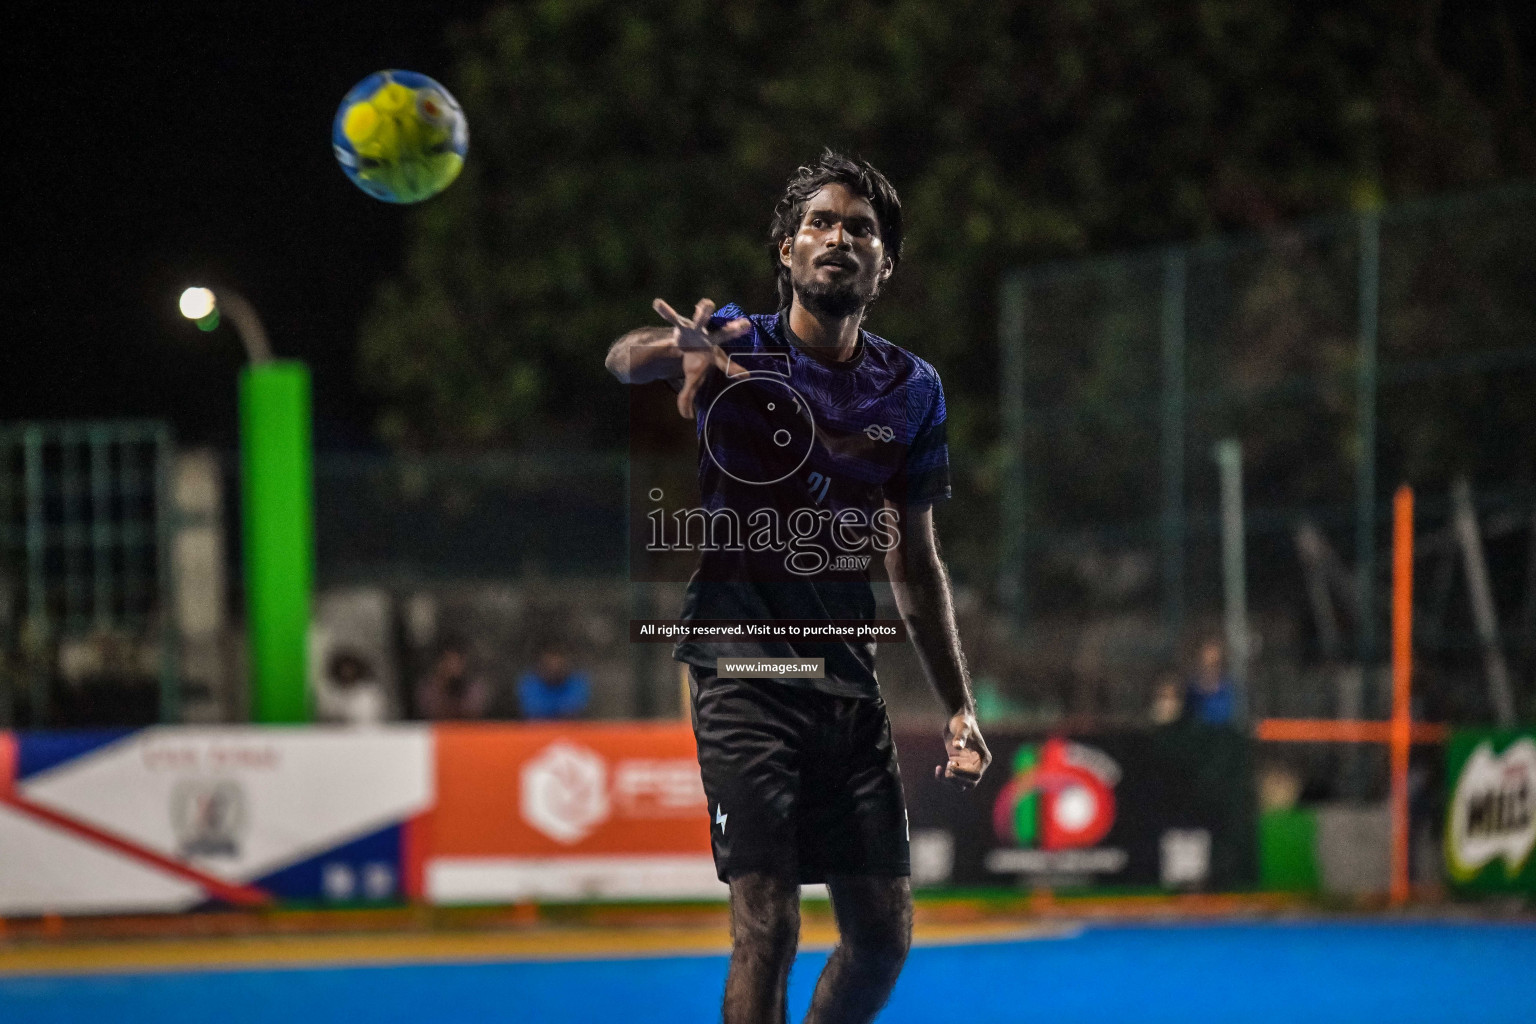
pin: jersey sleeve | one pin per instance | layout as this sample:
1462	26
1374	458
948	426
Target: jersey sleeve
742	344
923	477
725	314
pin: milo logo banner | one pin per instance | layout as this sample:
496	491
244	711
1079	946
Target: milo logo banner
1490	828
1168	808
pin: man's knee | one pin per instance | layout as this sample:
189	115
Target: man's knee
874	919
773	934
765	916
882	953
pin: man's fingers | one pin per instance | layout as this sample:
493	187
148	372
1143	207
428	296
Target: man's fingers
670	315
966	761
734	329
967	753
961	771
692	336
955	775
727	366
685	394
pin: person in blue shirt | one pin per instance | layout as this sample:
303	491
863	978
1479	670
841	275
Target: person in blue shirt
552	689
1210	698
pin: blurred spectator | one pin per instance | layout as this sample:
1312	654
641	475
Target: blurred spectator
109	679
1279	787
1167	699
352	694
449	691
1210	698
551	689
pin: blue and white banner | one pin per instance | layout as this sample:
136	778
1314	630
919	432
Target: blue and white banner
171	818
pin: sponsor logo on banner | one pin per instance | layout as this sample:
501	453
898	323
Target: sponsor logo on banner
569	811
1493	811
565	792
1186	857
1055	810
649	788
1171	808
209	817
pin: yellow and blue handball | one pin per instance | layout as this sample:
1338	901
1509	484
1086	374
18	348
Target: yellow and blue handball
400	136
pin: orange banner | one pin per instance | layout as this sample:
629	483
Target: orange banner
550	810
560	789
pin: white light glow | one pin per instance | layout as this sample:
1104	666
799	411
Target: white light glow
196	303
1076	807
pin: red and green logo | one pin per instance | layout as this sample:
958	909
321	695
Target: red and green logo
1061	797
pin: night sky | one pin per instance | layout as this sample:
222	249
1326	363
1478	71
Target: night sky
152	146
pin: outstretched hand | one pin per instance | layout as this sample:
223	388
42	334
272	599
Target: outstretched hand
700	347
968	753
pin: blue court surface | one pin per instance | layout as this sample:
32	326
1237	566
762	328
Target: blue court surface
1304	972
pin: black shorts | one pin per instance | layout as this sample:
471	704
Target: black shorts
801	784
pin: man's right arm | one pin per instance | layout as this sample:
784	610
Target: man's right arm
646	354
684	352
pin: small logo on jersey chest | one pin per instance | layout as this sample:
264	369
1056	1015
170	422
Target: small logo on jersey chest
875	432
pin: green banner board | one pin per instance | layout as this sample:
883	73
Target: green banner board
1288	850
1490	825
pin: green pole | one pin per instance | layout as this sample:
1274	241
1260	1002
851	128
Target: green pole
277	497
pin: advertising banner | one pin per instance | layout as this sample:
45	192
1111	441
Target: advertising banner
1490	826
569	811
170	818
175	818
1169	808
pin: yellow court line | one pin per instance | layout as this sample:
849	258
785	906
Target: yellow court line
361	950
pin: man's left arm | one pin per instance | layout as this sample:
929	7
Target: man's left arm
921	588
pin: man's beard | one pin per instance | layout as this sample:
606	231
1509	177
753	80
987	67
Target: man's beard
835	300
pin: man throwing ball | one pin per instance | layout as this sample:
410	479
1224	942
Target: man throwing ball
821	446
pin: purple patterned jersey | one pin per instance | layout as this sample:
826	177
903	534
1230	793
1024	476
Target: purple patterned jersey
798	458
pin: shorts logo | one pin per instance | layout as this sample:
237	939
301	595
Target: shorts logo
876	432
720	817
1061	797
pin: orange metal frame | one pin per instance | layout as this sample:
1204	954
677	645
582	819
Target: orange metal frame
1400	732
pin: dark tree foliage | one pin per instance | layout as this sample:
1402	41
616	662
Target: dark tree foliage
625	151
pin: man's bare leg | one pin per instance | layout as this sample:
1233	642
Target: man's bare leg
765	932
874	925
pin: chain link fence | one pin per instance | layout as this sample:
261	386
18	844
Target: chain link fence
86	631
1344	357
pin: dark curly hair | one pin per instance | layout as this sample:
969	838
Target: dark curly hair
859	177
